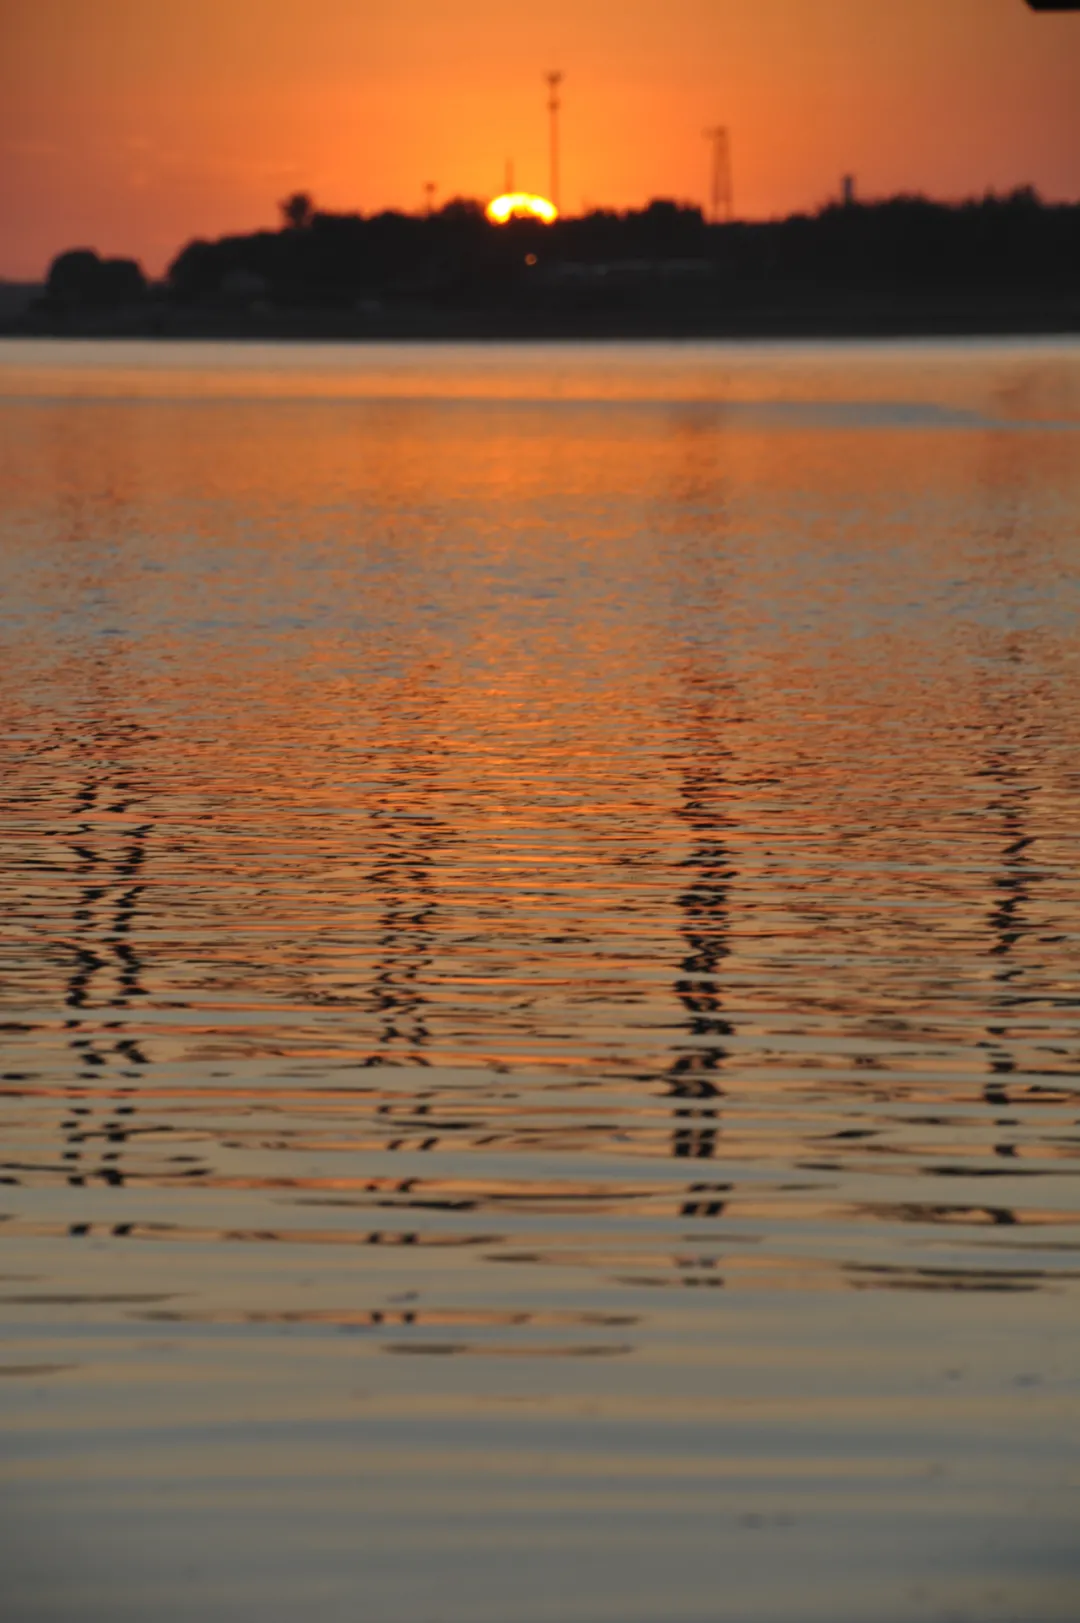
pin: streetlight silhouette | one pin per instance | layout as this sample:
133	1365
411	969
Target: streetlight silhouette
721	198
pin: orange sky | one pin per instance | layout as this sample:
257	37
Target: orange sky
133	125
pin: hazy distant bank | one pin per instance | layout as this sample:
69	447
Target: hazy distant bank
851	317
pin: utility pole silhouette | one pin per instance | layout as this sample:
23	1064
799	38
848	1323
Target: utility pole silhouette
554	80
429	196
721	199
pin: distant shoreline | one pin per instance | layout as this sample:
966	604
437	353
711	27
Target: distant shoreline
900	267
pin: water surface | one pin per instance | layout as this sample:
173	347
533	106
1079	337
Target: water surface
540	982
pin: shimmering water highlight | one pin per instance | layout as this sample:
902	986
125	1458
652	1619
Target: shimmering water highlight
539	982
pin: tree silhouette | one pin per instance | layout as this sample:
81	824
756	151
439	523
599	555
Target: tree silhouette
81	276
297	211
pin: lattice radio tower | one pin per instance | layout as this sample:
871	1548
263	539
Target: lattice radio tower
554	80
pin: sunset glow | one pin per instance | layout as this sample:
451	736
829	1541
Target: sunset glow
133	129
521	206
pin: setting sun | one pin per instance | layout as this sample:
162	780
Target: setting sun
521	206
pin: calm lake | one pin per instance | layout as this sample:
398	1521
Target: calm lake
540	983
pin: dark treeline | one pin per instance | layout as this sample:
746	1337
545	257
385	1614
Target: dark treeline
663	266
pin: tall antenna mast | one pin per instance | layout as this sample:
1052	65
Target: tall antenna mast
721	200
554	80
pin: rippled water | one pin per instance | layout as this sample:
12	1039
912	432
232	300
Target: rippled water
539	983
